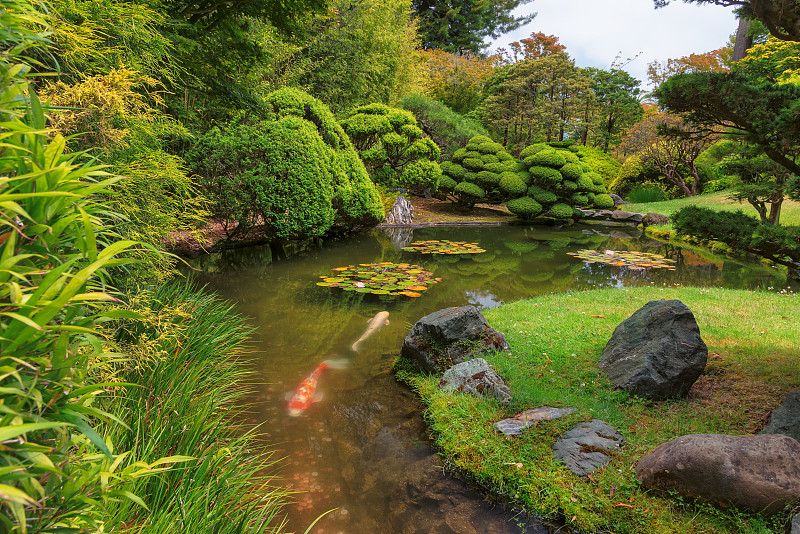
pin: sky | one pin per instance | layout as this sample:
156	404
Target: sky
597	31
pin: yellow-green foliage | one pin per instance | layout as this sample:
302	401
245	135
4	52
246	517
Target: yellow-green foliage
485	161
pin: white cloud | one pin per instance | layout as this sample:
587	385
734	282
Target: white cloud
596	31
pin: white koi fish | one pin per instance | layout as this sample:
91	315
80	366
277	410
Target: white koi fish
380	319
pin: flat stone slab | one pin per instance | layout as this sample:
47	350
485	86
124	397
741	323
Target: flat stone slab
588	446
513	426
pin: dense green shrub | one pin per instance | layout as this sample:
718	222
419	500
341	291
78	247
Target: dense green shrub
511	185
446	184
389	141
600	162
485	162
603	201
545	177
632	172
525	208
546	158
531	150
741	232
571	171
294	175
643	193
720	184
561	211
448	129
473	164
468	194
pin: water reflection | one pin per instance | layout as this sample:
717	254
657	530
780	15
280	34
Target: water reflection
362	449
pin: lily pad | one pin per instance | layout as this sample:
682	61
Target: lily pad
385	278
444	246
625	258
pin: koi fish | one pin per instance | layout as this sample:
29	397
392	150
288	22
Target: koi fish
306	393
380	319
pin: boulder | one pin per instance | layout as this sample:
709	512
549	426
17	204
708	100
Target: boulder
626	216
513	426
449	336
786	419
588	446
657	353
402	212
757	472
618	200
476	378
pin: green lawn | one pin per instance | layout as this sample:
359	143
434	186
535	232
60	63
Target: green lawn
556	340
790	211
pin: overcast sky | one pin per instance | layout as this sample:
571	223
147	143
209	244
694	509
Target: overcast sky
596	31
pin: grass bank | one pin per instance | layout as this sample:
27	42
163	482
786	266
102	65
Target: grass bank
790	210
556	340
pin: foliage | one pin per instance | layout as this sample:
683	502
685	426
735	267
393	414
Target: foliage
448	129
633	171
714	61
741	232
751	101
186	353
533	47
457	80
625	258
58	472
392	145
526	208
671	145
468	194
601	162
482	158
295	174
462	26
444	246
616	107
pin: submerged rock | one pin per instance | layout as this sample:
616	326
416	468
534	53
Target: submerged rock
513	426
449	336
786	419
588	446
657	353
757	472
476	378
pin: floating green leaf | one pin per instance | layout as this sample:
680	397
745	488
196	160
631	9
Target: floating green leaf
381	279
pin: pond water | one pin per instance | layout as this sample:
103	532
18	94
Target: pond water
362	449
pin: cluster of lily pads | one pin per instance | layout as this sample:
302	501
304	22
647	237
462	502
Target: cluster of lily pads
435	246
625	258
384	278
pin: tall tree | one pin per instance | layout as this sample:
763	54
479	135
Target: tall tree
456	80
533	47
619	98
781	17
461	25
715	61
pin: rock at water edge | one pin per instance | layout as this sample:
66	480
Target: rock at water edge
476	378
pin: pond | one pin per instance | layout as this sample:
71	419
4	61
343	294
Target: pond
362	449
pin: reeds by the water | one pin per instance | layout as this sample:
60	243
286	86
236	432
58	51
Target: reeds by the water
189	395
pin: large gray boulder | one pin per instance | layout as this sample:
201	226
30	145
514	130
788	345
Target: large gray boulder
786	419
757	472
657	353
402	212
449	336
588	446
476	378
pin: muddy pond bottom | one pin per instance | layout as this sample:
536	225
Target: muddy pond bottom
361	448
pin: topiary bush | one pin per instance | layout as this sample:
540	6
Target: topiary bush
525	208
293	175
485	163
561	181
393	147
468	194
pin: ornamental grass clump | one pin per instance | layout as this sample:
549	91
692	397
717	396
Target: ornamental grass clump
560	182
291	174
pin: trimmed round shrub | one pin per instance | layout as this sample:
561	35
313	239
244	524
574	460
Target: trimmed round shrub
489	158
571	171
586	167
567	187
488	179
471	177
571	158
511	185
545	198
459	155
480	139
585	183
560	211
446	184
495	167
600	162
513	165
595	177
490	148
468	194
505	156
422	173
525	208
473	164
580	200
535	190
525	176
546	158
546	177
445	166
531	150
591	197
472	154
455	171
603	201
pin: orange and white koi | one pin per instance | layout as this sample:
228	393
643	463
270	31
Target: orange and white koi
306	393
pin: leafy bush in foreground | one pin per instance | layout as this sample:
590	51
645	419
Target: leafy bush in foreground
294	175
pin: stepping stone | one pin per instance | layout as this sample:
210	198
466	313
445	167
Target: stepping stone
588	446
513	426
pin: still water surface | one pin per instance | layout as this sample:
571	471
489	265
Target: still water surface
362	449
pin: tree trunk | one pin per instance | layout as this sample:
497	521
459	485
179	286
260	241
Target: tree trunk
743	41
775	212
